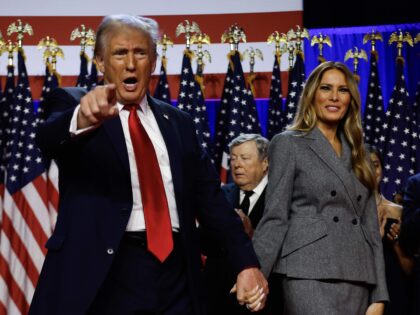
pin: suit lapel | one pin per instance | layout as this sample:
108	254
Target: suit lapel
232	194
341	166
115	133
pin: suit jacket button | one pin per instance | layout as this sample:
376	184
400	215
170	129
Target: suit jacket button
354	221
110	251
333	193
359	198
336	219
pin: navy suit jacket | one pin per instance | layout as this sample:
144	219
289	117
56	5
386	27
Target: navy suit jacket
96	201
232	194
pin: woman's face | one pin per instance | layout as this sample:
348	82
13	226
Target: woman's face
332	98
378	167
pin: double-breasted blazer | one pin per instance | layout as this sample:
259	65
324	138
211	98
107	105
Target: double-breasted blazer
320	221
96	202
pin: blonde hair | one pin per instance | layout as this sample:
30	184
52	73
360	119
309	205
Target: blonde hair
351	124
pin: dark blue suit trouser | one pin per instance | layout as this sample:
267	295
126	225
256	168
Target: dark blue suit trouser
139	284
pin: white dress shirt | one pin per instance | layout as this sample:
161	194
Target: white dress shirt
256	195
148	120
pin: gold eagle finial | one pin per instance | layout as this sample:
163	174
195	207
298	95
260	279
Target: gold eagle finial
278	38
297	36
356	55
234	34
400	38
187	29
20	28
165	41
87	37
199	39
321	40
417	38
372	37
9	47
252	54
51	52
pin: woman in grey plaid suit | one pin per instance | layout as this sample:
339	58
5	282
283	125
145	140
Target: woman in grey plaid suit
320	225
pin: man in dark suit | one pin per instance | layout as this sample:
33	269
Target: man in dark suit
249	168
410	233
133	181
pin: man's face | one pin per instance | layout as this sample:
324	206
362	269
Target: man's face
246	167
128	61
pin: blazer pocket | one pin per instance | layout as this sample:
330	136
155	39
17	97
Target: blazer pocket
55	242
302	232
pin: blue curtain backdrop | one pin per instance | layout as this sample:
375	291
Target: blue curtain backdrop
346	38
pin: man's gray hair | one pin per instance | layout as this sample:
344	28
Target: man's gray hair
261	143
113	22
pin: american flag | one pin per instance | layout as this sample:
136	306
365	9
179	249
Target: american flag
296	81
416	125
6	103
51	82
416	105
238	113
222	117
399	149
191	100
162	91
25	219
374	115
275	108
250	121
83	78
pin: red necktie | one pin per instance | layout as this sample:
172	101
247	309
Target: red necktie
153	196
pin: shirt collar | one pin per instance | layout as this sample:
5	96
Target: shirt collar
260	187
144	106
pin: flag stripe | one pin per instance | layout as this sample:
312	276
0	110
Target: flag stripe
27	212
19	249
35	199
15	292
213	25
28	233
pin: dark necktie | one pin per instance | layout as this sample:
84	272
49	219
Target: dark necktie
153	196
246	202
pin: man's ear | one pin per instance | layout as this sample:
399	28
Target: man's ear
101	63
265	164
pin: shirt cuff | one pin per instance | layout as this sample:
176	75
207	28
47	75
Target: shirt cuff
73	124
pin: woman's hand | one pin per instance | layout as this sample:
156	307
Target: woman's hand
376	309
394	231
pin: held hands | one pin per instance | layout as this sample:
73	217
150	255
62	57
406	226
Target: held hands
97	106
394	232
251	289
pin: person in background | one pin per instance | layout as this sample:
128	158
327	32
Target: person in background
410	234
320	225
133	180
398	265
249	168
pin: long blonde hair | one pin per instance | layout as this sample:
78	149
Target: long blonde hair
351	124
